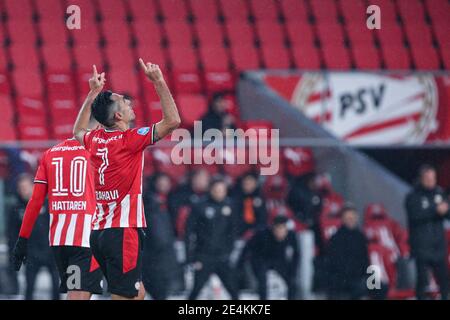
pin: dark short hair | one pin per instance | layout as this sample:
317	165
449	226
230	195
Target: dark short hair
279	220
102	108
347	208
424	168
217	179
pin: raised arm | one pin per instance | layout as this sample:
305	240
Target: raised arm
170	117
96	84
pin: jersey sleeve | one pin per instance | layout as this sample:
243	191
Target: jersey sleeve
41	173
32	211
138	139
87	139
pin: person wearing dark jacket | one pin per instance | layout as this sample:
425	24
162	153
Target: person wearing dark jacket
210	236
427	208
185	197
217	117
158	260
347	259
250	205
274	248
39	253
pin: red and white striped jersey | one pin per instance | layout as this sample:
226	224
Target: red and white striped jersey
117	159
65	168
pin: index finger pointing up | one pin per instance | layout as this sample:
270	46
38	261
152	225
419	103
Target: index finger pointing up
95	70
141	62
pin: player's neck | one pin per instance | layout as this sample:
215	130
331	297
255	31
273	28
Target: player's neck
121	126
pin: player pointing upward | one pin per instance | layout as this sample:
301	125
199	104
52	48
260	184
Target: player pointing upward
117	159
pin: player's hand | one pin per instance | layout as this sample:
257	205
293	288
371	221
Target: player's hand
152	71
97	81
19	253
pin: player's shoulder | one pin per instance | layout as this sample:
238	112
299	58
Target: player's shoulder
139	131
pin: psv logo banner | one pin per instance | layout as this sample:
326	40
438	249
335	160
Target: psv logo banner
366	108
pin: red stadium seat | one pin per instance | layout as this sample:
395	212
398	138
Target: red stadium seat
270	33
5	87
245	57
234	10
330	34
294	10
24	56
387	7
300	33
214	58
276	57
192	107
446	57
112	10
60	84
147	32
19	10
240	33
27	82
412	11
390	34
354	12
210	33
264	9
87	36
117	33
51	10
173	10
366	57
396	56
142	10
204	11
336	57
324	11
360	35
419	34
32	119
51	34
425	58
178	33
442	36
56	57
8	132
120	58
306	57
219	81
86	56
298	161
124	81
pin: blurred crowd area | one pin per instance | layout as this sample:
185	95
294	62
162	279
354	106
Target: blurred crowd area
248	230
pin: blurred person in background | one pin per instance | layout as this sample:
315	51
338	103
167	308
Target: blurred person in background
427	208
347	259
210	236
183	198
274	248
159	260
306	202
250	204
38	252
217	116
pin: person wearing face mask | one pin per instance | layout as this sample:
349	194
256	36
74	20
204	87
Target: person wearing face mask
274	248
427	208
347	259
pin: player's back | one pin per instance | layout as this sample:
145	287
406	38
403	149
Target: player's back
117	161
65	168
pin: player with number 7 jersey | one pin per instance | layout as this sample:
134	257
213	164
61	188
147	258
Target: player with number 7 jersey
64	175
117	156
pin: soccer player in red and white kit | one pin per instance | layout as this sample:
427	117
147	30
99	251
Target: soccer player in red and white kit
117	159
64	174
